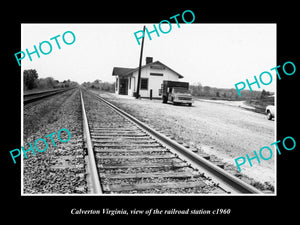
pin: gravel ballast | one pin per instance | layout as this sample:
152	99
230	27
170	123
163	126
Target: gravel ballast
59	169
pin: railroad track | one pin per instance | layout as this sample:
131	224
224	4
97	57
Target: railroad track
33	97
126	156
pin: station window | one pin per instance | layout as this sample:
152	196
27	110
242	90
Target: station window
144	83
157	74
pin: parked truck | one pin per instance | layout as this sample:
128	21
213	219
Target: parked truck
176	92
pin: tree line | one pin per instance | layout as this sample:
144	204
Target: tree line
198	90
32	81
99	85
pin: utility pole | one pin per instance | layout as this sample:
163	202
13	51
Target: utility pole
140	65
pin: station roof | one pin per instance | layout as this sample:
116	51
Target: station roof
122	71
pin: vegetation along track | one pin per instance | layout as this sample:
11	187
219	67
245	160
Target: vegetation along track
132	158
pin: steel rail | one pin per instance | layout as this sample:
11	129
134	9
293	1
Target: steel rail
92	167
231	183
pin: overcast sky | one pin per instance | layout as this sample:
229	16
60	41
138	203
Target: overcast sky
216	55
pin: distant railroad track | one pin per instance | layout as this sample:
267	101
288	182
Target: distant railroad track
126	156
32	97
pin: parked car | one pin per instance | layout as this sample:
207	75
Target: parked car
270	111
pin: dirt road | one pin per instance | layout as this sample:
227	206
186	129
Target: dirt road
222	130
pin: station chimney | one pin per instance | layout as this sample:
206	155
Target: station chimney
149	60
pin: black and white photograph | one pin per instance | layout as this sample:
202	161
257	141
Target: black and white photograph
171	123
172	115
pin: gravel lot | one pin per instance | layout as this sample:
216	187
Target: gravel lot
59	169
223	131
